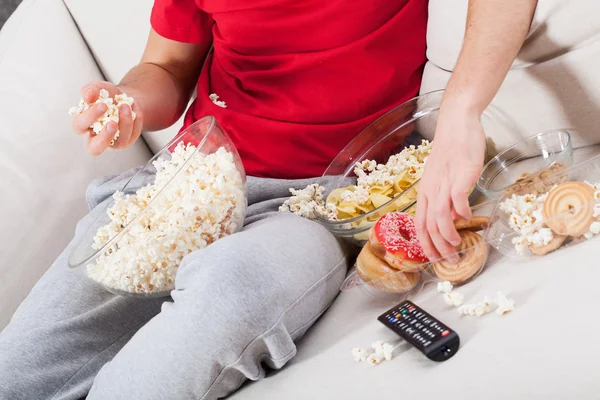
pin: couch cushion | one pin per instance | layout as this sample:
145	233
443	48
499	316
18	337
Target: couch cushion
544	348
554	81
118	50
44	168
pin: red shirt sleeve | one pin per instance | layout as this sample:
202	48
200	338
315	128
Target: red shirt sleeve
182	21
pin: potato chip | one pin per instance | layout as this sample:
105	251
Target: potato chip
349	208
366	207
401	183
336	195
342	215
378	200
389	193
380	189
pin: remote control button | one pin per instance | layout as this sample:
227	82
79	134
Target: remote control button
445	333
404	312
410	308
398	316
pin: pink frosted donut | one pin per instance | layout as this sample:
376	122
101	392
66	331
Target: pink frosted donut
394	239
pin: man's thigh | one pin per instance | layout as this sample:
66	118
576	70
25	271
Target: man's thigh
238	305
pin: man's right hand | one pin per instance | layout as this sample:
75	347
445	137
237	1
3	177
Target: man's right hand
130	130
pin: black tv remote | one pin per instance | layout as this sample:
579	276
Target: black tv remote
429	335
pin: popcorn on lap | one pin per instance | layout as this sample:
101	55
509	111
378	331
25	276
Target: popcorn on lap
205	203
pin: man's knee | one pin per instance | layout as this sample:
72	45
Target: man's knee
246	296
274	261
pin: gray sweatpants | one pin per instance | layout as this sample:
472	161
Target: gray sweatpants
238	306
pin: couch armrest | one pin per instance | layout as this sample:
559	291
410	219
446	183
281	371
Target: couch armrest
44	169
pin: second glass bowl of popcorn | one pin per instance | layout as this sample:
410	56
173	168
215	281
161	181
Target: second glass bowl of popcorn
190	194
383	142
545	215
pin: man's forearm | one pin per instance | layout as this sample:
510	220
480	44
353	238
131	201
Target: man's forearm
495	32
162	97
163	81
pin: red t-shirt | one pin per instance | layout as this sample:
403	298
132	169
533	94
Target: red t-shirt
301	78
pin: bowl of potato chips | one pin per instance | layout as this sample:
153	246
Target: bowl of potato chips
379	170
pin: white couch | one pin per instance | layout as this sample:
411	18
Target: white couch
546	349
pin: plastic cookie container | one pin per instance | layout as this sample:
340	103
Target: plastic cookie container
548	152
547	214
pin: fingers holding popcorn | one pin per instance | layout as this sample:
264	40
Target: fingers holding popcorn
82	122
125	127
97	143
106	115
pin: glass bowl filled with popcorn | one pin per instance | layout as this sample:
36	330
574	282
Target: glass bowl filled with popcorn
190	194
544	215
379	171
534	158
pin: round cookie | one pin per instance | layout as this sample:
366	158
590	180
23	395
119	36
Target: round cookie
568	209
554	244
475	224
474	253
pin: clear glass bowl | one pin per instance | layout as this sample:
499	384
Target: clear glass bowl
208	137
525	157
500	234
404	125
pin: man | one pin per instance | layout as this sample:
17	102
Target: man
300	80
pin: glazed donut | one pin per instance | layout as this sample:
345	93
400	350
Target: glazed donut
568	210
474	255
394	239
380	275
554	244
